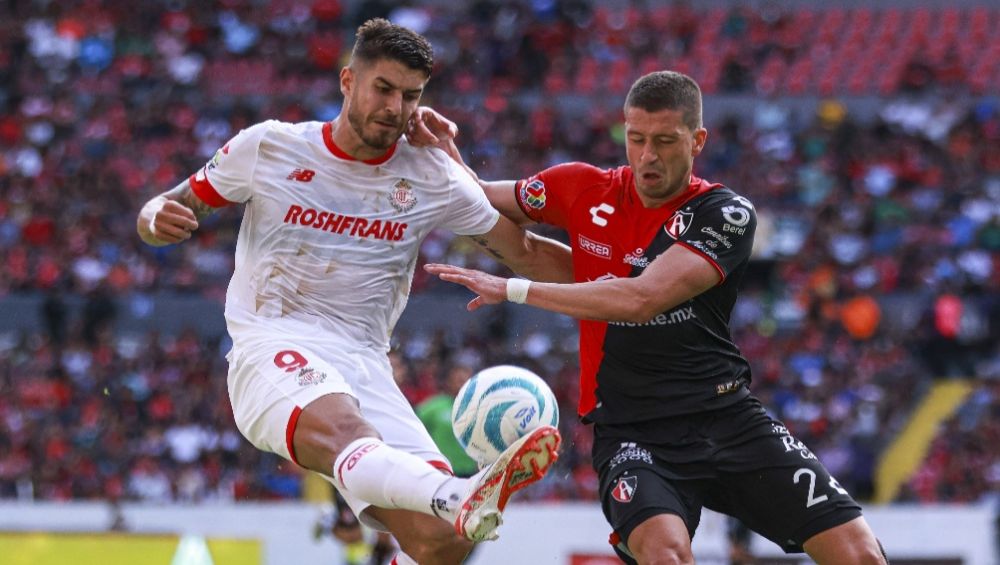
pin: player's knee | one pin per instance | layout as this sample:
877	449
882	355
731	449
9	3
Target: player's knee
438	548
872	554
864	553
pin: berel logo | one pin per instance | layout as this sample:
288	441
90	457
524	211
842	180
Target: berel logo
596	211
594	248
301	175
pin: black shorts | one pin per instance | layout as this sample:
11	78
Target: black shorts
737	461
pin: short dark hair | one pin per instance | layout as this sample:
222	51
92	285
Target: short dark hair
379	38
667	90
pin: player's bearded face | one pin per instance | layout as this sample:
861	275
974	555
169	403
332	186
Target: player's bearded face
661	150
384	96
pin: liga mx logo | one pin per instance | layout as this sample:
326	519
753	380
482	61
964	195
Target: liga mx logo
533	194
625	489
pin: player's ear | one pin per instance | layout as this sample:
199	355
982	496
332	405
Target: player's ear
700	136
346	81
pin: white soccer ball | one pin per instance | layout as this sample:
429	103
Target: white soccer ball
497	406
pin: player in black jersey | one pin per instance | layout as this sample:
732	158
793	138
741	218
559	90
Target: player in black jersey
658	255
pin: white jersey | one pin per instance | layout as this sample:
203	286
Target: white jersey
328	243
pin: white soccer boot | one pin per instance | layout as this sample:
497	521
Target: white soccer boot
523	463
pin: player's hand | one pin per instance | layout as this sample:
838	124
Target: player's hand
172	222
429	128
490	289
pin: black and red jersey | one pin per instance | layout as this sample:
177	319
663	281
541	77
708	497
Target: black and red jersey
683	360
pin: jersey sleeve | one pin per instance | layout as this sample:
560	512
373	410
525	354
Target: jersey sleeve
468	212
720	228
226	178
548	196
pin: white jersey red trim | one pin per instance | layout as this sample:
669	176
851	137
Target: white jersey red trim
329	243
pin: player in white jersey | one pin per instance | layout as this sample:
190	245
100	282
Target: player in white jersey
335	213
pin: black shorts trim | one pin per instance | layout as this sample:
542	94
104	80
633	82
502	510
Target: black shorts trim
828	521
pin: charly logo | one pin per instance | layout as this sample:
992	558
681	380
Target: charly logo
636	258
401	196
625	488
309	376
533	194
596	213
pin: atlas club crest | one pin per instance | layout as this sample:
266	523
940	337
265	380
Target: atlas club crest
678	223
625	488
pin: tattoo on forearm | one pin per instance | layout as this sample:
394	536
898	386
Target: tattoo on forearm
200	209
182	193
482	242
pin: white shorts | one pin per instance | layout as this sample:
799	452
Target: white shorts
270	383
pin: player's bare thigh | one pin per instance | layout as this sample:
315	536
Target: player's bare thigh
426	539
325	427
661	539
849	543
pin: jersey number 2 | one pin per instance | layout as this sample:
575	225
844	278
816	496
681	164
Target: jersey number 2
813	500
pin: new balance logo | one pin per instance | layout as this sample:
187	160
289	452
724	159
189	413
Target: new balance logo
301	175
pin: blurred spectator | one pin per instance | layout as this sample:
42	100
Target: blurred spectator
878	258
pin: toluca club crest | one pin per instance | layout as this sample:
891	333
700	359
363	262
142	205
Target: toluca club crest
401	196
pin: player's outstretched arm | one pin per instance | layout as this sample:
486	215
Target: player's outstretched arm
171	217
673	278
428	127
528	254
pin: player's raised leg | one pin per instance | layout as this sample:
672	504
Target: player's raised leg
331	437
422	538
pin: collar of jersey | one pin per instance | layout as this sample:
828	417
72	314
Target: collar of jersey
338	152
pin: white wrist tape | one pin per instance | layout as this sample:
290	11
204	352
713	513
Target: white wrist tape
517	290
152	218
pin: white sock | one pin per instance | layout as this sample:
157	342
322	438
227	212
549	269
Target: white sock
390	478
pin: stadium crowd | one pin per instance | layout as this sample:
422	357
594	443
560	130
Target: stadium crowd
878	256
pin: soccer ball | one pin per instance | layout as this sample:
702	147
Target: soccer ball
497	406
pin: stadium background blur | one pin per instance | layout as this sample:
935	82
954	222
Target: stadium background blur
868	139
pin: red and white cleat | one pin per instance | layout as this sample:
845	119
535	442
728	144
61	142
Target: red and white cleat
526	461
